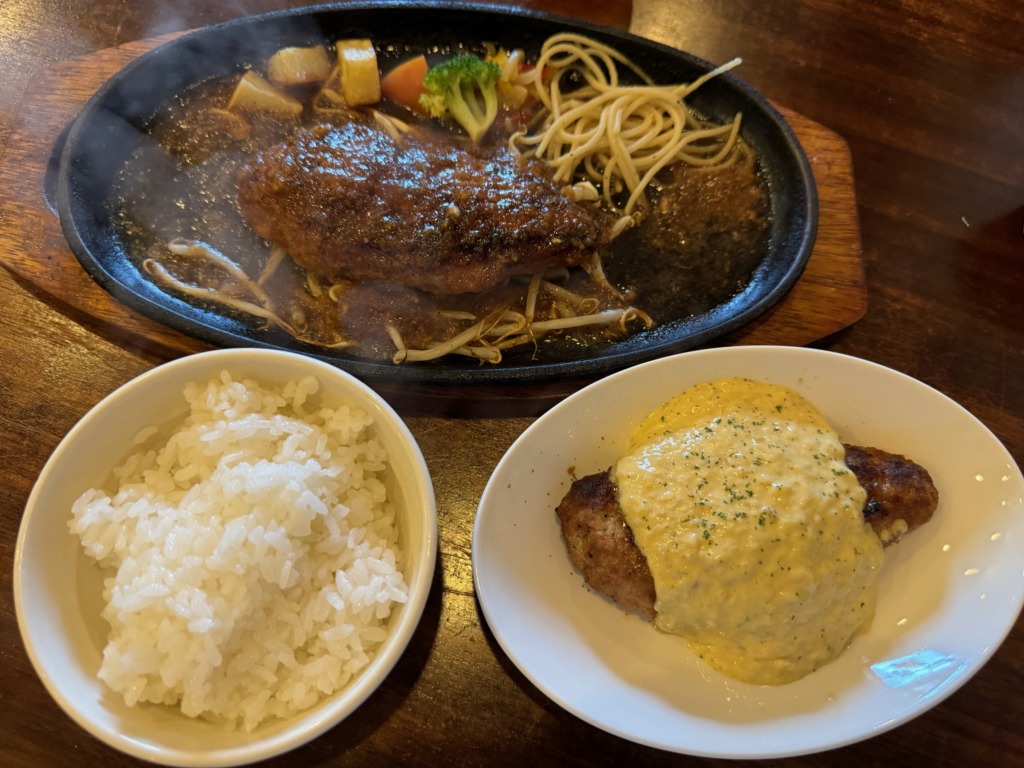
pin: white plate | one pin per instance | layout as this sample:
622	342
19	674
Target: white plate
948	595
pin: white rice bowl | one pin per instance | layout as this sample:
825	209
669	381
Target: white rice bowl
249	573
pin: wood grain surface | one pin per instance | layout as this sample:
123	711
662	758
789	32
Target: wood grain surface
830	295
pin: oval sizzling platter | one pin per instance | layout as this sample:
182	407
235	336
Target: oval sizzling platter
112	127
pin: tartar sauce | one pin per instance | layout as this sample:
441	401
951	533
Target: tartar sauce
738	496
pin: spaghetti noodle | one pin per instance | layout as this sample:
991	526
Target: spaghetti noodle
598	120
617	136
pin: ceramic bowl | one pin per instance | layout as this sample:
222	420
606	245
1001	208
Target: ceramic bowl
58	589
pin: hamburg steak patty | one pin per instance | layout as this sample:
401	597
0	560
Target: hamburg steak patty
901	494
900	497
426	210
601	545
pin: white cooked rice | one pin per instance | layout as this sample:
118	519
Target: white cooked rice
256	555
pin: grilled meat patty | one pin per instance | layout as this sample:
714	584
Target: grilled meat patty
900	497
901	494
425	210
601	545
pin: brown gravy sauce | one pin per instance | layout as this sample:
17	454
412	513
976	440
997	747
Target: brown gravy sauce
698	246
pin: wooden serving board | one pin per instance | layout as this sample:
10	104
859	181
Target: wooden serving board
830	295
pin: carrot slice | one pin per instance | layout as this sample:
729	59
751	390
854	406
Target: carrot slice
404	84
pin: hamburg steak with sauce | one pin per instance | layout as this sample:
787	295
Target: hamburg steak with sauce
900	497
426	210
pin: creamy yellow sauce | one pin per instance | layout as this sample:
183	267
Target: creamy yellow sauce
738	495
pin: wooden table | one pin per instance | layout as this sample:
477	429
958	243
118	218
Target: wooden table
929	99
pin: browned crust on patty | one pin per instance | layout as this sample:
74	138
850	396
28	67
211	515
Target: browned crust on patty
351	202
601	545
901	494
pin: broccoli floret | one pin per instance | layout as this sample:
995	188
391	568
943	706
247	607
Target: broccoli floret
465	88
